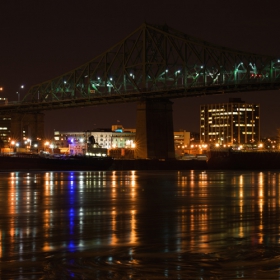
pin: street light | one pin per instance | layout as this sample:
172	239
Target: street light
18	92
28	145
12	144
52	146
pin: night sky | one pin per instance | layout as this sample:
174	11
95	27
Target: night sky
44	39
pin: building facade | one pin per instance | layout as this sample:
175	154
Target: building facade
5	127
232	123
119	142
278	138
115	138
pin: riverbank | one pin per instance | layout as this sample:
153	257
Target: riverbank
217	160
243	160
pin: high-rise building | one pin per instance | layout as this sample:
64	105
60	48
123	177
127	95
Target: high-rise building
232	123
5	130
5	126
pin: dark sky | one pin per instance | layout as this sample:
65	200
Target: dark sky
44	39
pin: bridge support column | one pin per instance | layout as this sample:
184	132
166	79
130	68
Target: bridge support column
29	125
154	130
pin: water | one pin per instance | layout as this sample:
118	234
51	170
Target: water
140	225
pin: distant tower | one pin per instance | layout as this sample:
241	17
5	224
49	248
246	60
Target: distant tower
235	122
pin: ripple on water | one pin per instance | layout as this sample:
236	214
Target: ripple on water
231	263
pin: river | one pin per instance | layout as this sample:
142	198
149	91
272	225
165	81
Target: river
140	225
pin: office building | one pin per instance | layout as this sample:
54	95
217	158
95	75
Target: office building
232	123
115	138
119	141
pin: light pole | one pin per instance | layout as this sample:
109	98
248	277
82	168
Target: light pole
18	92
28	146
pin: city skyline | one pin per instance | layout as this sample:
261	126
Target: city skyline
44	40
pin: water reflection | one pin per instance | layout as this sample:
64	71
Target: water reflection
180	225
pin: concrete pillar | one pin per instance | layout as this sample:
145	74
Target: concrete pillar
154	130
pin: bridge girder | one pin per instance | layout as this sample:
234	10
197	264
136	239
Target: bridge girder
154	61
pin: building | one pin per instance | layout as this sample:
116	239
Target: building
119	141
278	138
232	123
113	139
20	131
181	142
105	138
5	127
5	131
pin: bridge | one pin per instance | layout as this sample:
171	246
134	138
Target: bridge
150	66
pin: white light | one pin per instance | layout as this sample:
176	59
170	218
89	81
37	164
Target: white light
22	86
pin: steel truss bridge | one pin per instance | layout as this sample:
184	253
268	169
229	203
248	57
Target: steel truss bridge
153	62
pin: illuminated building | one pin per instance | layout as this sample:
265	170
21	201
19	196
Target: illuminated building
181	142
5	130
5	126
278	138
119	141
117	137
235	122
181	138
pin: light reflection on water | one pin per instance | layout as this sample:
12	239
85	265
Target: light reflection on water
140	225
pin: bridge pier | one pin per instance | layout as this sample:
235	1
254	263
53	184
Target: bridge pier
29	125
154	130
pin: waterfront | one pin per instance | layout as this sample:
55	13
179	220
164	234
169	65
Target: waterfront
140	225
